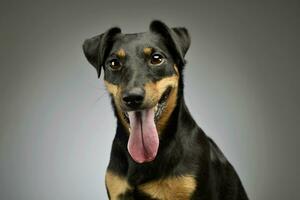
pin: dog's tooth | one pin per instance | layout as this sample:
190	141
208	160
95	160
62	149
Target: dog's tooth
155	108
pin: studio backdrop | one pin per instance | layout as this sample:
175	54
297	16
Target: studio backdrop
241	86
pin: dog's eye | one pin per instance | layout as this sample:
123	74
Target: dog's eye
156	59
115	64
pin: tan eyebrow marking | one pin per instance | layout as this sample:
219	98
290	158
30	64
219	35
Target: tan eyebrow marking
121	53
148	51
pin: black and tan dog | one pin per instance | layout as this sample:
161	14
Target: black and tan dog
158	151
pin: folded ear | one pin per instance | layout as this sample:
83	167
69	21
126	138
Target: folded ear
177	39
96	48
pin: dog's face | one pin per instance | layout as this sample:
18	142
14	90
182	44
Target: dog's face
141	72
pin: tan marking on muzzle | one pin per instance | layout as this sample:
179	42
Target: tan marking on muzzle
154	92
172	188
176	69
115	91
121	53
116	185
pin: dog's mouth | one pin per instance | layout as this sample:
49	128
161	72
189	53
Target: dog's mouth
143	138
158	108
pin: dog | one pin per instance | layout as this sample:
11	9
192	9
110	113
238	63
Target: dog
159	152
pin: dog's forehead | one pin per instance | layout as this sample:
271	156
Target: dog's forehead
133	42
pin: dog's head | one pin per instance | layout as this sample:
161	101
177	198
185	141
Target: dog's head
142	73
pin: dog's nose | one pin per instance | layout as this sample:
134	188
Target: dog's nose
134	97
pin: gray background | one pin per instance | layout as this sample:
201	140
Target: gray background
56	123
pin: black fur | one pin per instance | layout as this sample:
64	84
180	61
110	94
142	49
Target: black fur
96	48
184	148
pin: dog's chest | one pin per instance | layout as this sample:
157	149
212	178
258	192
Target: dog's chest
171	188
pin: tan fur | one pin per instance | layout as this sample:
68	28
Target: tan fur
154	91
172	100
116	185
148	51
115	91
111	88
168	110
176	69
173	188
121	53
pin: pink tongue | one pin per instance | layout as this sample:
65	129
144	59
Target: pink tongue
143	140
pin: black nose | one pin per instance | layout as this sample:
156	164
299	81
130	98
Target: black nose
134	97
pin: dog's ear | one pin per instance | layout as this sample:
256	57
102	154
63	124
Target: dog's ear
96	48
178	39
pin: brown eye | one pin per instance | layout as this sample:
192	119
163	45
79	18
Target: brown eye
156	59
115	64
